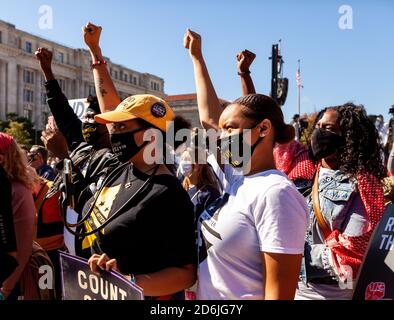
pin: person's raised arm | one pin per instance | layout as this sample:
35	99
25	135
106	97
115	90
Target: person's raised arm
207	100
107	95
65	118
244	60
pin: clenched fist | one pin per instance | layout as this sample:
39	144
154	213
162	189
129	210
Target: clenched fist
44	56
244	60
192	42
55	142
91	35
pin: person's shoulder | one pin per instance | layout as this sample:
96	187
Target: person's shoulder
170	187
277	184
270	178
20	190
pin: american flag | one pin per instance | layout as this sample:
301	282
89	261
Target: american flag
298	78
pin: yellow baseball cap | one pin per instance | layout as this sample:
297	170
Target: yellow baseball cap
140	106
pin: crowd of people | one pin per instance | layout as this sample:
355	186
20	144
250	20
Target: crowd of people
290	218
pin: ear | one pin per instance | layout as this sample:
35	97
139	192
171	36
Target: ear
265	127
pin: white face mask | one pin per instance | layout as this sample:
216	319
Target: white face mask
185	168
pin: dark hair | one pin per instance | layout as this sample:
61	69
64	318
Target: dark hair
93	104
42	151
258	107
362	151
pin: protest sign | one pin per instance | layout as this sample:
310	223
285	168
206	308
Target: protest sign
79	283
376	278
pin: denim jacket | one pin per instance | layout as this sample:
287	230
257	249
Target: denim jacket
343	210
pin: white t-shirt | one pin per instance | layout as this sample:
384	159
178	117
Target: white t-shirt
264	213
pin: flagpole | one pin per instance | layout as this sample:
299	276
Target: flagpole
299	89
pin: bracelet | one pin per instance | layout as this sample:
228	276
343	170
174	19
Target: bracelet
244	72
98	63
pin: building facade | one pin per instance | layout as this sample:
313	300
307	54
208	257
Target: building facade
185	105
22	84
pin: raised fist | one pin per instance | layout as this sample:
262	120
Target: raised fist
91	35
192	42
55	142
44	56
244	60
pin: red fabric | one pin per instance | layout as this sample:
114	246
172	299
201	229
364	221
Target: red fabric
5	142
293	159
347	251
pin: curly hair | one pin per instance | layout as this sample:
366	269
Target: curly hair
15	165
362	151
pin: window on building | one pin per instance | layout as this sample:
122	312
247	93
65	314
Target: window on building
60	57
92	90
135	80
28	47
28	76
43	98
125	78
140	82
116	74
28	95
1	37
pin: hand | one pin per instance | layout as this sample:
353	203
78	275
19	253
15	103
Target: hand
55	142
244	60
91	35
44	57
192	42
102	262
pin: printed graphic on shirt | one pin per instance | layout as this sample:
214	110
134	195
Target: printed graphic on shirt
208	233
100	212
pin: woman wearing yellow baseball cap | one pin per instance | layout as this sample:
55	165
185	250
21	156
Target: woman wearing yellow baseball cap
140	223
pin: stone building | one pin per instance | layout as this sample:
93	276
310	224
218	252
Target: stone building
21	81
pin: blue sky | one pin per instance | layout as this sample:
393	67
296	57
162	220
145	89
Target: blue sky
337	65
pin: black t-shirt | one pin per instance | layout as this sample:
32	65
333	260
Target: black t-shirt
152	231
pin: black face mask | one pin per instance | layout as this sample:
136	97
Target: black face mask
325	143
124	145
90	132
228	145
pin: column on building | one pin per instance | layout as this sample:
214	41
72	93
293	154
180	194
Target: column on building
38	115
3	90
12	87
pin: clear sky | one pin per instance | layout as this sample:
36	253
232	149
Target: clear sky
337	65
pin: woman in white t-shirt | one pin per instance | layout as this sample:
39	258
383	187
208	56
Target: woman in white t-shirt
251	239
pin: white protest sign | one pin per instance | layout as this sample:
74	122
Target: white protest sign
79	106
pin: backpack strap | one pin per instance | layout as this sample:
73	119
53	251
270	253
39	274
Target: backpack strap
316	208
39	199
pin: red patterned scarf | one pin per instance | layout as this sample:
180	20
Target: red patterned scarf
293	159
347	251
